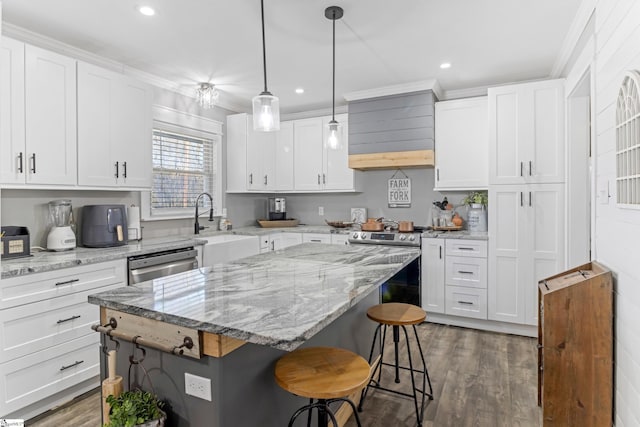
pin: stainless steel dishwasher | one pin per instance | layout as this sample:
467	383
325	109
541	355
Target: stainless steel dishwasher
160	264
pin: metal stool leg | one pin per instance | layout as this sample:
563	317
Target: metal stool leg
324	413
396	340
309	416
424	364
363	394
413	381
353	407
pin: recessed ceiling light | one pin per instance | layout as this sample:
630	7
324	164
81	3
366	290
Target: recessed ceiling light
299	90
445	65
146	10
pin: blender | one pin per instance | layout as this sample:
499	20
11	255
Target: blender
61	237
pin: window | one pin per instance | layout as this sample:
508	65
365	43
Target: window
186	162
628	141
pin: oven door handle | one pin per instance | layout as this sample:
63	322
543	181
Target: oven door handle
142	274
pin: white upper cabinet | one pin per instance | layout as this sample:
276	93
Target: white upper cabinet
37	116
461	144
12	128
308	154
317	166
526	133
293	159
114	134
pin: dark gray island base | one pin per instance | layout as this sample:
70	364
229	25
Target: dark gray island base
266	305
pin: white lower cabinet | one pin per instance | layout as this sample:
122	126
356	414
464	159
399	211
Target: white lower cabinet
316	238
279	240
340	239
46	343
454	277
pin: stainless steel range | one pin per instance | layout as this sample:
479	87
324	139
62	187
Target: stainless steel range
385	238
405	285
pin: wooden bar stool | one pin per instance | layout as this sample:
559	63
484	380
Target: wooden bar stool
324	375
399	315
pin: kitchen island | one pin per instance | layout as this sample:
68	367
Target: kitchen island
247	314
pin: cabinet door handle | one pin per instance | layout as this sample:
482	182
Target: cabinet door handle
266	180
315	240
521	169
67	282
440	247
318	179
465	302
273	245
20	169
117	174
68	319
76	363
464	248
124	169
465	272
530	168
250	178
521	199
324	180
33	164
529	198
437	174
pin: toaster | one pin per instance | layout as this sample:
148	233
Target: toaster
104	226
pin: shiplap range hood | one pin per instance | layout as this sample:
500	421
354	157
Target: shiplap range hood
392	127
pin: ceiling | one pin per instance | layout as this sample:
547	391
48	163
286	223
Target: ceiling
379	43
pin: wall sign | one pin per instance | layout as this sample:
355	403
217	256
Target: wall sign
399	191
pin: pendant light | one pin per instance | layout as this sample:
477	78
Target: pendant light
266	107
333	140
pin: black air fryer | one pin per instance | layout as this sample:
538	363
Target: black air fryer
104	226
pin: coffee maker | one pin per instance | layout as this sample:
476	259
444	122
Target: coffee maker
277	209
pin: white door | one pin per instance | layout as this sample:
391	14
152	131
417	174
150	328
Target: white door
508	253
260	159
50	100
337	175
462	142
131	130
289	239
12	126
284	157
432	275
237	176
308	152
95	166
505	134
545	163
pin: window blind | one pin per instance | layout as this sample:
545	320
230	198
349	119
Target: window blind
183	167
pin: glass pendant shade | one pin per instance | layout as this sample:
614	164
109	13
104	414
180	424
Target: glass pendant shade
334	141
207	95
266	112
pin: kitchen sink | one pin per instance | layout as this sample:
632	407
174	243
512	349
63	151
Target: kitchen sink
228	247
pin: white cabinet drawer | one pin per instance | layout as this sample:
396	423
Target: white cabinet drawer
38	326
467	302
316	238
466	271
34	377
51	284
460	247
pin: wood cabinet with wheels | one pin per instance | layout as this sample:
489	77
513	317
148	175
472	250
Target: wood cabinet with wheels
526	133
37	116
114	135
47	345
462	142
526	224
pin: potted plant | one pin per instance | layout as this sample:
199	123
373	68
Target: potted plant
135	408
476	198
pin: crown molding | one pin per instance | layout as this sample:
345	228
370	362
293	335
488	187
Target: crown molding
580	21
465	93
431	84
313	113
225	101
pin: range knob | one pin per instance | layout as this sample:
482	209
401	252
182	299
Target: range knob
363	235
403	237
355	235
412	238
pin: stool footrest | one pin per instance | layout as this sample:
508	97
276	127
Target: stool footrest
379	387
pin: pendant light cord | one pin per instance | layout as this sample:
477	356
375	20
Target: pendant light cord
333	114
264	49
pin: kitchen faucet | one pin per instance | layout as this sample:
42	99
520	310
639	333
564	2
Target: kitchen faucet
196	226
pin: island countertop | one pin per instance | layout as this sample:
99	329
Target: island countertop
278	299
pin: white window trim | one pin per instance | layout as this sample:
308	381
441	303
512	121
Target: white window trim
171	120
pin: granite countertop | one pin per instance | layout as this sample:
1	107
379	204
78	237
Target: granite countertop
43	261
462	234
278	299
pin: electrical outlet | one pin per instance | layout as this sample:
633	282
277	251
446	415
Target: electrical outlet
321	211
197	386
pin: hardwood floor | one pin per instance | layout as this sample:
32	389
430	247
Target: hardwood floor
480	379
